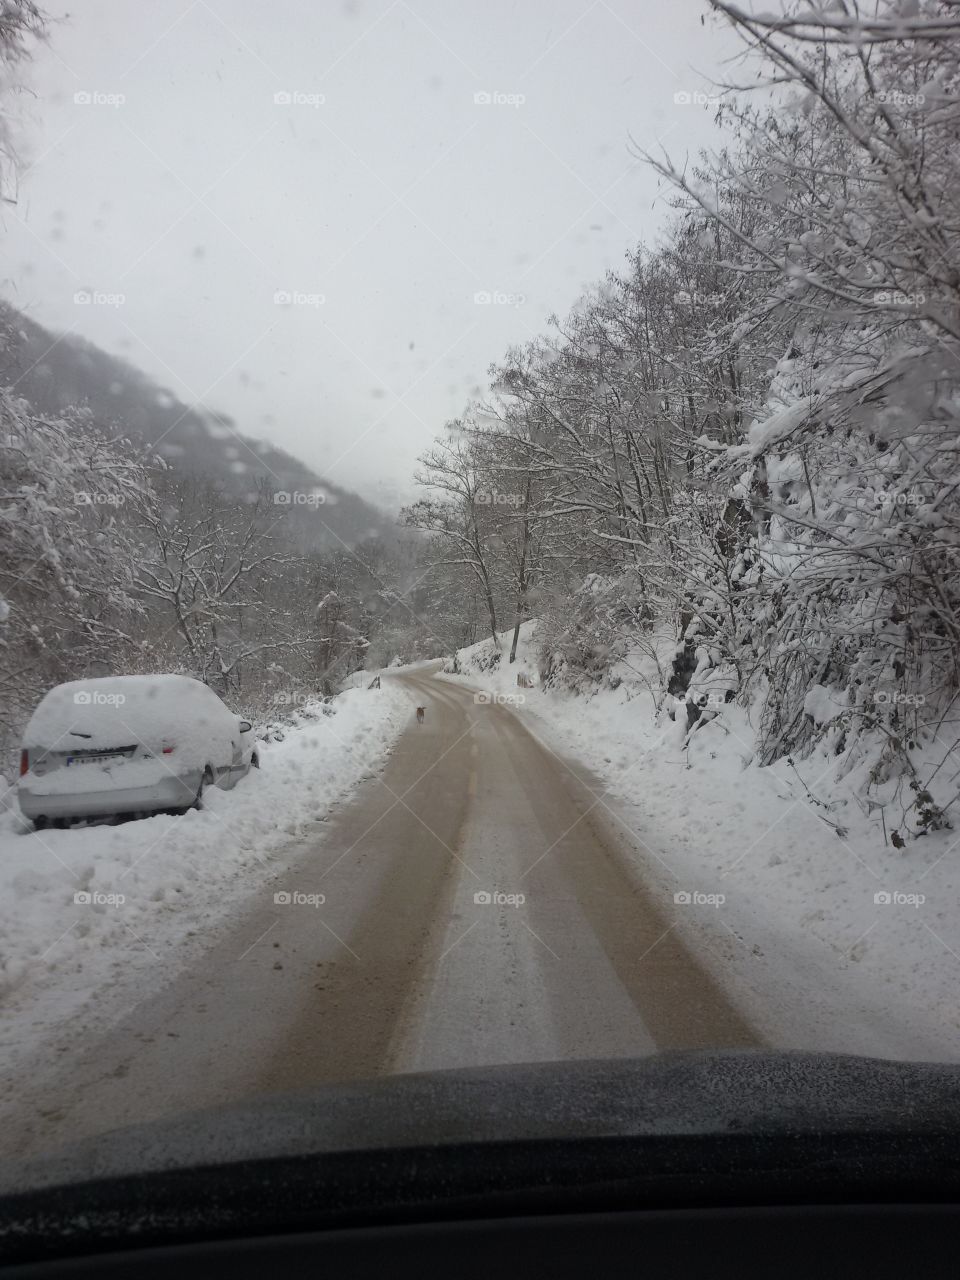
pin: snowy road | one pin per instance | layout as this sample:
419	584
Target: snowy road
402	967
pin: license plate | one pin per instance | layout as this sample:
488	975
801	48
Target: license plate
105	759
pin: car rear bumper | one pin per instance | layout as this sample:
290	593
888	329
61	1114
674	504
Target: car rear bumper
169	792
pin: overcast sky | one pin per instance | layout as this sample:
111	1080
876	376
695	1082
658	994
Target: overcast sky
338	153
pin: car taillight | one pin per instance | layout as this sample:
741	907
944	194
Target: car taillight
24	762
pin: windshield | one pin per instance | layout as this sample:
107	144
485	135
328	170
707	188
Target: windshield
479	516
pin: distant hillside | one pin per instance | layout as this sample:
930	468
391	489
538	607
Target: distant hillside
53	375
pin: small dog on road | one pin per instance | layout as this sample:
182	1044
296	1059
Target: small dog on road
421	712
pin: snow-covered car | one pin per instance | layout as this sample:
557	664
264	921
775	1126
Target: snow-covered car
129	744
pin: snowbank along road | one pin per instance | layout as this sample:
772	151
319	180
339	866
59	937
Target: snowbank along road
474	903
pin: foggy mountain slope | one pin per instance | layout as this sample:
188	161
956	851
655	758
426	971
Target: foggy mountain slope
55	373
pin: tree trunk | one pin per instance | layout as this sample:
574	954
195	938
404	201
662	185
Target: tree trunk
522	574
492	612
487	588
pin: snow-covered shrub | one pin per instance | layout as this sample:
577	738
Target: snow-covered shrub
581	640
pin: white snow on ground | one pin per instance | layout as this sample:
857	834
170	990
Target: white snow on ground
834	941
152	890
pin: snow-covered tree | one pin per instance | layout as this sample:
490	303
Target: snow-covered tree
68	555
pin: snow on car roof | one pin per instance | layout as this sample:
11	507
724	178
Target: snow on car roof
122	710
